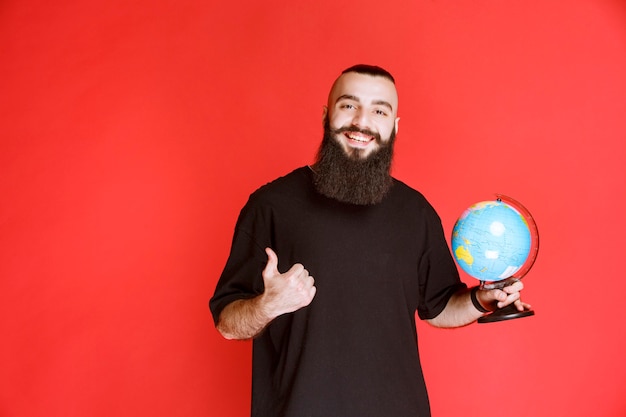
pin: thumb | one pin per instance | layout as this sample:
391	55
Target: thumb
271	269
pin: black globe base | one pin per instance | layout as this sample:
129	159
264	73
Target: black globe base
507	313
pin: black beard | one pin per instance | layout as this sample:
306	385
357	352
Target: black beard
352	178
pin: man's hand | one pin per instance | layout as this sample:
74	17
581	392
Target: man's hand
460	310
503	297
288	292
284	293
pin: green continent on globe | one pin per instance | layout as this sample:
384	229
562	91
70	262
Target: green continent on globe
464	255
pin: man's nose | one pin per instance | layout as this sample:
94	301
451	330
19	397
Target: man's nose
360	119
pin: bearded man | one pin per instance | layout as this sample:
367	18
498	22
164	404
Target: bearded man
343	344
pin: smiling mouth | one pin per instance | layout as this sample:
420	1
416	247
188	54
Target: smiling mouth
358	139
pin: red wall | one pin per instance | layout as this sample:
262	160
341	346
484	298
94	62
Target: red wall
132	133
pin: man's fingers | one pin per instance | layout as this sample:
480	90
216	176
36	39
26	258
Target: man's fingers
271	269
517	286
506	299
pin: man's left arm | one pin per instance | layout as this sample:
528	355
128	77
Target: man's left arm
460	310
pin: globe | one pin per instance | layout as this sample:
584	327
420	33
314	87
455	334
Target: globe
495	240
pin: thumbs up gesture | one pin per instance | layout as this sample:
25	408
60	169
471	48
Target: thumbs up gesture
288	292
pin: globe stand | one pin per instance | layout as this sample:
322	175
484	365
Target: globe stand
505	313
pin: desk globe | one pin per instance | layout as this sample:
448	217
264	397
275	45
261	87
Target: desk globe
496	242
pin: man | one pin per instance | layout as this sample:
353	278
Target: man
343	344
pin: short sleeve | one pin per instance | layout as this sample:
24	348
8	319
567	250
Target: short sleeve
438	275
242	275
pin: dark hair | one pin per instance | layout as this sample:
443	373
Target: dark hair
370	70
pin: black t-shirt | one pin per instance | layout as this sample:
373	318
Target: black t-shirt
353	351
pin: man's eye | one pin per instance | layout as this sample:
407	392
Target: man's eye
347	106
380	112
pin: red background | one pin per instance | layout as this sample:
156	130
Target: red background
132	133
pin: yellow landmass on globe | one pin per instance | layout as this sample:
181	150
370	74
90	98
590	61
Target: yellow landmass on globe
463	254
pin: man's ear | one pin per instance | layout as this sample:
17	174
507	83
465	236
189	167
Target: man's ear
397	122
324	115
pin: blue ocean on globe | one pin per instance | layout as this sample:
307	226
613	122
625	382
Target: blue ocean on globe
491	241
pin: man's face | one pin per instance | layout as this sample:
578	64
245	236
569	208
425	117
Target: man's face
362	112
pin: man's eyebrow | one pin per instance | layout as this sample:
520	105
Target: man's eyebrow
347	97
383	103
355	98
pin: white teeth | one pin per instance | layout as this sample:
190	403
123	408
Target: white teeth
358	138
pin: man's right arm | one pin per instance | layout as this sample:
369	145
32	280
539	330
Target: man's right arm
243	319
284	293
